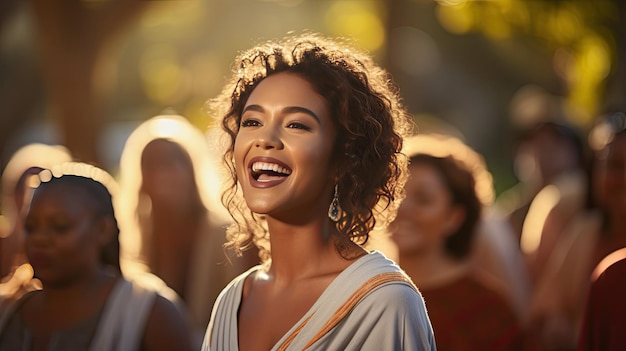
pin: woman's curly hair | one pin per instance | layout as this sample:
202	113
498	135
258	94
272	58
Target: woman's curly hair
367	113
466	177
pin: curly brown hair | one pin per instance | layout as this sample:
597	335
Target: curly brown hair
466	177
368	115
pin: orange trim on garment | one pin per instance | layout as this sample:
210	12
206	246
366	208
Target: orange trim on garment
293	335
347	306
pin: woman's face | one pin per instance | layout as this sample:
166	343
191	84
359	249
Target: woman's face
61	234
283	150
167	175
426	216
611	176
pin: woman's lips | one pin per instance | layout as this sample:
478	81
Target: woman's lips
266	172
265	181
39	260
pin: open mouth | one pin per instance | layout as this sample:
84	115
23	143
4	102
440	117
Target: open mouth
267	171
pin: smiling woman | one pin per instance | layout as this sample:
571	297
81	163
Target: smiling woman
297	138
314	145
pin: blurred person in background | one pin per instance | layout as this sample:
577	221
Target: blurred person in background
549	161
602	328
171	219
27	160
72	243
559	297
436	232
557	152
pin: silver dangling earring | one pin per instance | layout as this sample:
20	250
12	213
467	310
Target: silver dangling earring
334	210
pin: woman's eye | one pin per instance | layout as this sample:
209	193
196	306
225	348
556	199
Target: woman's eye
250	123
298	125
61	228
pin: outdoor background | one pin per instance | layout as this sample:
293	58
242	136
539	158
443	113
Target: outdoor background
85	73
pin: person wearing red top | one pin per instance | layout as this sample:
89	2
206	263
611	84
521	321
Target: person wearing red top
435	229
605	313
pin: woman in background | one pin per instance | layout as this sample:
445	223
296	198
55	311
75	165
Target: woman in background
559	298
435	232
71	241
172	222
27	160
602	327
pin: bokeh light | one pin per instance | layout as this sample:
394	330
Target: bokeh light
581	54
165	80
456	18
361	20
414	51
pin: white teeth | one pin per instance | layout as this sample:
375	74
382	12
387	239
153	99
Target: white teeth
265	166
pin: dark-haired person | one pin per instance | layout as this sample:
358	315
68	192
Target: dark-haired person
435	232
315	155
27	160
605	311
558	303
171	220
71	241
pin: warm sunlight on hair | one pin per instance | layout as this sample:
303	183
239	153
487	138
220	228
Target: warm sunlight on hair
441	145
25	158
203	153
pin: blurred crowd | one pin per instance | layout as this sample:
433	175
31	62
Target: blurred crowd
509	271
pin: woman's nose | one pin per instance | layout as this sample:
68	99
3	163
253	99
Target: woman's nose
269	138
37	237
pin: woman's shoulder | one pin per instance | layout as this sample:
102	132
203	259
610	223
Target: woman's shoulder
618	268
480	287
237	287
375	273
475	287
167	328
392	303
392	291
396	292
611	266
10	305
485	283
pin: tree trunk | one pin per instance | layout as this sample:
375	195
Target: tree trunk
72	35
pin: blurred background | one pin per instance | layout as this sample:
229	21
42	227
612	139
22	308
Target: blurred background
85	73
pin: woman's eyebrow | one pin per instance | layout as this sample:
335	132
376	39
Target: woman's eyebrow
256	108
288	109
296	109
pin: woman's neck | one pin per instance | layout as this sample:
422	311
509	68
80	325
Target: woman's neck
59	294
304	251
431	269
